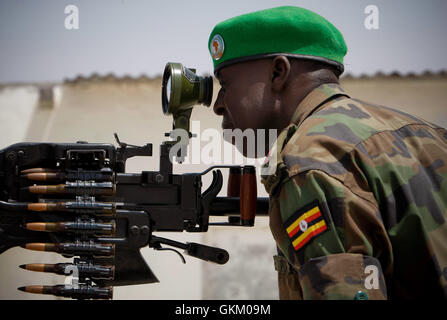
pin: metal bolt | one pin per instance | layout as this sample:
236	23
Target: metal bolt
21	153
361	295
145	230
11	156
159	178
134	230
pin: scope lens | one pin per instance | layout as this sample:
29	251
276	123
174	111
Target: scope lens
168	89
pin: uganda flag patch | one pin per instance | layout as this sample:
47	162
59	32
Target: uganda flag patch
304	225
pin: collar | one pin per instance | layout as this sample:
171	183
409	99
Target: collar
315	99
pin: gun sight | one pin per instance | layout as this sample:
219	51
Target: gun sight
182	88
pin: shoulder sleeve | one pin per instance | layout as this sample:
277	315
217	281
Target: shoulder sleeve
332	236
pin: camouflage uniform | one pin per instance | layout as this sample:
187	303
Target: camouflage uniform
359	190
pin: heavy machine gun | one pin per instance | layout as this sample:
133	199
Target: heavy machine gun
77	200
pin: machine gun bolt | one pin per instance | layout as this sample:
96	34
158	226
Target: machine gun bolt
11	156
144	230
159	178
134	230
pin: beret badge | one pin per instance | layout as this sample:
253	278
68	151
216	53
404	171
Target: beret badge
217	47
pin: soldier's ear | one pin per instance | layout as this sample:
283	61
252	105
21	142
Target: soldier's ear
280	72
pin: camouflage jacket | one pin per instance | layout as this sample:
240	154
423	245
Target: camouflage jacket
358	202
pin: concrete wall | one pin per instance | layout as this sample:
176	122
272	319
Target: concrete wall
93	110
422	96
18	106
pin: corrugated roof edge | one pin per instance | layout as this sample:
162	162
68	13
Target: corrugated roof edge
111	77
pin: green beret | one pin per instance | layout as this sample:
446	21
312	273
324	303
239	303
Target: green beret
291	31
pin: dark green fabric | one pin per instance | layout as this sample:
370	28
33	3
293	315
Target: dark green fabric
288	30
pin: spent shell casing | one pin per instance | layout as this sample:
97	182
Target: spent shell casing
81	291
87	270
80	248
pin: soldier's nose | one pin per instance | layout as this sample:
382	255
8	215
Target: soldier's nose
218	107
219	110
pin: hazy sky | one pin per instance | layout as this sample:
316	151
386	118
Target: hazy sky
137	37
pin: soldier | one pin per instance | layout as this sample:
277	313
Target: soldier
359	197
